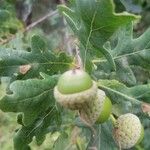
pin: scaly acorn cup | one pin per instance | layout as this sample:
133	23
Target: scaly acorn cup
128	131
74	89
98	111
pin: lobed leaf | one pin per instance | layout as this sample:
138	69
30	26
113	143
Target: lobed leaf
31	97
94	22
131	56
40	59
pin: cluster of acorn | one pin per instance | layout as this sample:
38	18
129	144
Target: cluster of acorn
76	90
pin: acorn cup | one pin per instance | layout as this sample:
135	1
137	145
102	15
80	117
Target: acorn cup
75	89
128	131
98	111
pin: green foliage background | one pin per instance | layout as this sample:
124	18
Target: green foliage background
114	50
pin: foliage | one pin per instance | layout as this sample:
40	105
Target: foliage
29	71
9	23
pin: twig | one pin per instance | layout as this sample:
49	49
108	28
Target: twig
78	58
113	120
50	14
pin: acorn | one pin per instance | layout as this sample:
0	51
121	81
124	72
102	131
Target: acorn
98	111
128	131
74	89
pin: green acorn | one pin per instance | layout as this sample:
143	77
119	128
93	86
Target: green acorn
98	111
128	131
74	89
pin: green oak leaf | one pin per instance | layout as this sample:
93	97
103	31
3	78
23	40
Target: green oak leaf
45	123
131	56
119	93
21	64
128	45
94	22
31	97
135	93
135	51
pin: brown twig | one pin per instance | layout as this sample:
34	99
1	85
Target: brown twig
78	58
32	25
50	14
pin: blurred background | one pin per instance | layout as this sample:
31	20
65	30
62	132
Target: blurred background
24	18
